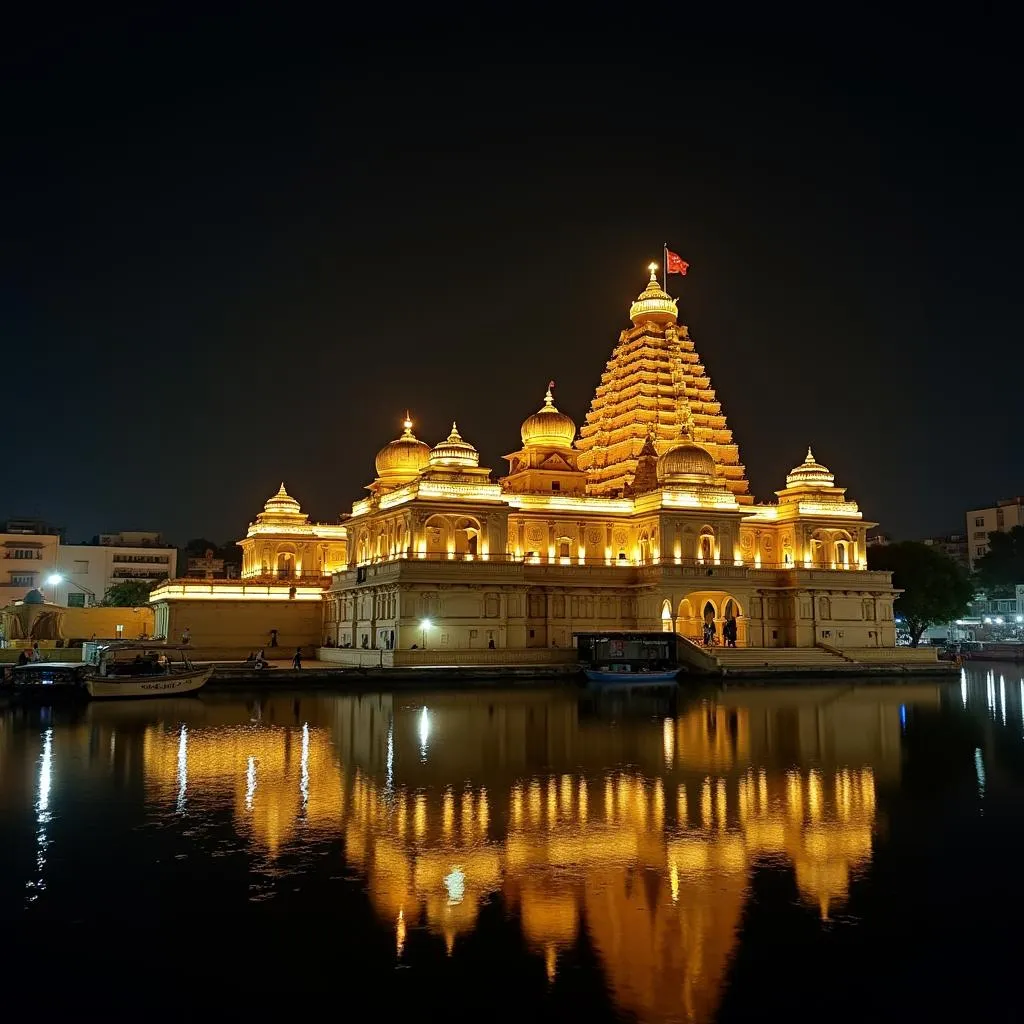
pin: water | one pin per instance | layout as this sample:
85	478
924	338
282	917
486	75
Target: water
800	853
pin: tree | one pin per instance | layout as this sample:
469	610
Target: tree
1001	568
129	594
935	589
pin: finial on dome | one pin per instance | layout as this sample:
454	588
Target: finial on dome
455	435
407	424
653	268
810	455
549	398
281	492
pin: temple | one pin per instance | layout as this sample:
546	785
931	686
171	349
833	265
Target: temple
641	520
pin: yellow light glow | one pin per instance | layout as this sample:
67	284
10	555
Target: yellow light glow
652	267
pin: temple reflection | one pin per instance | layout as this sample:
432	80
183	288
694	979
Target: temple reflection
446	801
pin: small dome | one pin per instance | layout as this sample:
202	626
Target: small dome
454	451
686	463
810	474
653	304
282	503
403	457
548	428
33	597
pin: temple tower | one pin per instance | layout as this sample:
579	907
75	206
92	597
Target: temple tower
654	384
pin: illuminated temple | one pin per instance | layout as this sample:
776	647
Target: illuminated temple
641	519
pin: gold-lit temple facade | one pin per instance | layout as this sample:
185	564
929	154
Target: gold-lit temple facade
457	799
642	521
283	544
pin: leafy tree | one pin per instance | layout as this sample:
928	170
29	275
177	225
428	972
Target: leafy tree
1001	568
935	589
128	594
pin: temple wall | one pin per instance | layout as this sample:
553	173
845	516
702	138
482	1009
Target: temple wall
241	624
466	605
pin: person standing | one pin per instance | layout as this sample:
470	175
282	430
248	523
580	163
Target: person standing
297	658
186	636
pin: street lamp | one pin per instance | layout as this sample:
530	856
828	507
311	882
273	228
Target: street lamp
56	579
424	626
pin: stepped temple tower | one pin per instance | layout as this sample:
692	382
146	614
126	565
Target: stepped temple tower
640	520
654	384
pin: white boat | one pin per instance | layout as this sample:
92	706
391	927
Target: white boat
142	669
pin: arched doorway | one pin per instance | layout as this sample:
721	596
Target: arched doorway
285	564
712	607
666	616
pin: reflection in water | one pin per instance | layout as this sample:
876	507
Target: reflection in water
182	768
643	834
654	860
43	816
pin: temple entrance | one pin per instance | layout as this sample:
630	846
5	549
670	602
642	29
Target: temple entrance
710	608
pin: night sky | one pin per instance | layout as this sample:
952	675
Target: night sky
234	252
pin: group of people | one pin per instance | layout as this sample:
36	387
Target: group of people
729	632
33	654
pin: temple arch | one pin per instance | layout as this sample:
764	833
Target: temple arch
706	545
285	564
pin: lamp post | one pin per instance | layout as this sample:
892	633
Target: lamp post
424	626
57	578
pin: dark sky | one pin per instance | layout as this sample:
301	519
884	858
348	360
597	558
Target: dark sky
234	252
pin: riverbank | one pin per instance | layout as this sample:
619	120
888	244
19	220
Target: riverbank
319	674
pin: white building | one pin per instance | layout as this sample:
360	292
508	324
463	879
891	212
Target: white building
28	557
88	570
1000	518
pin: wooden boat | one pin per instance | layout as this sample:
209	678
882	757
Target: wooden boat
611	677
142	669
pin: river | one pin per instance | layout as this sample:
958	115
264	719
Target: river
804	852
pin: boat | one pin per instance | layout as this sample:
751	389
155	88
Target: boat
629	658
141	669
45	680
644	677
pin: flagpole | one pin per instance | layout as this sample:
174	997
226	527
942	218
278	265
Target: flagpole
664	267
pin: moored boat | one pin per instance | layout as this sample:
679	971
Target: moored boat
142	669
611	677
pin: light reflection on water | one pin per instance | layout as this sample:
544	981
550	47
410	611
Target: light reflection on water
640	829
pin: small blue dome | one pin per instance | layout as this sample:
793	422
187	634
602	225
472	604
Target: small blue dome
33	597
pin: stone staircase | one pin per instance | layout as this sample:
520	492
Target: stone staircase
777	659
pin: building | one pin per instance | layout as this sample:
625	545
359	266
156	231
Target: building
209	567
954	545
1000	518
29	552
287	562
643	521
283	544
87	571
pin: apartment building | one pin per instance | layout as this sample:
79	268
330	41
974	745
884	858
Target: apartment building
999	518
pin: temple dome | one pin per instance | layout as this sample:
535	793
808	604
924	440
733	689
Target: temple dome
686	462
454	451
282	504
810	473
404	457
653	304
548	428
33	597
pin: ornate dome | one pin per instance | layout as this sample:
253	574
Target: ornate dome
810	474
454	451
653	304
282	504
403	457
686	463
548	428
